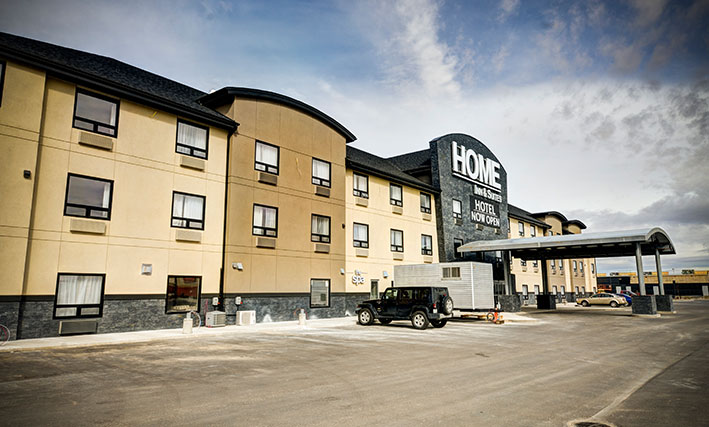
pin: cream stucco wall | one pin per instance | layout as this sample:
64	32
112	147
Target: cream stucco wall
380	218
145	169
293	263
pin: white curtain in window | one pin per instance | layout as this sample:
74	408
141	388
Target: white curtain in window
266	154
79	289
264	217
321	169
395	192
192	136
426	242
397	238
188	207
360	183
360	232
425	201
321	225
106	195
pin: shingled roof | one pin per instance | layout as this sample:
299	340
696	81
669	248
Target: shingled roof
520	213
412	161
369	163
112	76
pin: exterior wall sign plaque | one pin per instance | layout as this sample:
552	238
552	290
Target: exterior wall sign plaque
484	173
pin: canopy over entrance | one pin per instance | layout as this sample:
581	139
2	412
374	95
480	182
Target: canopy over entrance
588	245
654	241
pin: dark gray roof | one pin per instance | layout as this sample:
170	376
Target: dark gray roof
520	213
112	76
412	161
369	163
225	96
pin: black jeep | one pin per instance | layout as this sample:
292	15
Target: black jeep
421	305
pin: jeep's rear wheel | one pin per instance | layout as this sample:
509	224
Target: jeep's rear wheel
419	320
385	321
439	323
365	317
447	305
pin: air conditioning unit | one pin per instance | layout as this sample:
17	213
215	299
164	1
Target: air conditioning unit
215	319
246	317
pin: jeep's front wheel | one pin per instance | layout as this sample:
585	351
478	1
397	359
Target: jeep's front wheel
419	320
365	317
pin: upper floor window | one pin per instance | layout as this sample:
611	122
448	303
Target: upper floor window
192	139
320	229
88	197
551	263
360	185
457	209
321	173
265	221
551	233
575	265
523	262
3	65
533	231
395	195
456	244
188	210
425	203
79	295
593	269
267	157
520	227
581	266
426	244
397	240
361	235
96	113
561	265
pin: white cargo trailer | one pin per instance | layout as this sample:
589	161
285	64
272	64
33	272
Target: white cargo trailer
469	283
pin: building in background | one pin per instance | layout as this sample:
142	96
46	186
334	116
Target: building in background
677	281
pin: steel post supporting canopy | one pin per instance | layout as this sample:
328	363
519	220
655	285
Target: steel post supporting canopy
588	245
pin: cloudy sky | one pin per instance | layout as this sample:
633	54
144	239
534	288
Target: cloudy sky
597	109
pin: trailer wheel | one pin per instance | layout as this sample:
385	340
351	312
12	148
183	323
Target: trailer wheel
447	305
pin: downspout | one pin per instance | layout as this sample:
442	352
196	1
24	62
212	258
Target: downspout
224	221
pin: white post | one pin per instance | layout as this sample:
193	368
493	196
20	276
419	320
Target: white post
660	283
639	265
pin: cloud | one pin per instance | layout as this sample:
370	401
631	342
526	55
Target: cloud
507	9
648	11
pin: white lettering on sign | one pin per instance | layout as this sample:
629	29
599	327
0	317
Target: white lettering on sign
470	165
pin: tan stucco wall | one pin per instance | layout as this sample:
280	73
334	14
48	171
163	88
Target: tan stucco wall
380	218
289	267
145	169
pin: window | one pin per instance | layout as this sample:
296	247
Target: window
563	290
456	244
552	264
79	295
525	290
450	272
397	240
96	113
267	157
188	211
520	227
426	244
360	185
551	233
574	266
88	197
265	221
593	269
457	209
425	203
321	173
581	266
361	235
536	289
192	139
561	265
535	263
523	263
533	231
182	294
553	289
2	78
320	229
395	197
319	292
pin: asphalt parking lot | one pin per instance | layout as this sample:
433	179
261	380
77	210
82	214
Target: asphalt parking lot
569	365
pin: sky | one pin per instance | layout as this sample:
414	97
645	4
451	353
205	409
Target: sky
596	109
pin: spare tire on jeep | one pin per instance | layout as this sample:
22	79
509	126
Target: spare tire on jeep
447	305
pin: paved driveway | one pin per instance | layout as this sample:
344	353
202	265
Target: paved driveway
571	365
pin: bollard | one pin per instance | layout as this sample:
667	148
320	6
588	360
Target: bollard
187	324
301	317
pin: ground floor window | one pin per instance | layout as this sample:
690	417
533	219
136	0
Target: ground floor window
79	295
319	292
536	289
182	294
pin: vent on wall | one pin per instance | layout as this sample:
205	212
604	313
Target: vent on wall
75	327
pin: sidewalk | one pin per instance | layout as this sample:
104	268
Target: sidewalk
160	334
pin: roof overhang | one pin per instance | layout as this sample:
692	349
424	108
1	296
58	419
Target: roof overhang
589	245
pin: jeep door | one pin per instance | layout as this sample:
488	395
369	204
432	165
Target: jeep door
406	302
389	300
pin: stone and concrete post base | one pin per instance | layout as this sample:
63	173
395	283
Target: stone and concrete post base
644	304
664	303
546	301
510	303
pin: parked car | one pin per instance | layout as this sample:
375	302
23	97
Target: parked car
628	298
421	305
602	298
630	293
